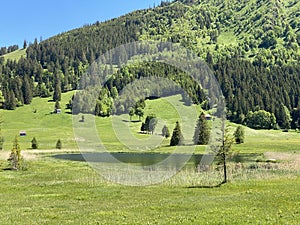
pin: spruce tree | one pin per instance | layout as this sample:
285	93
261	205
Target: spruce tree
201	135
165	132
143	127
57	86
58	144
57	92
284	120
24	44
56	106
2	99
177	137
1	137
34	143
150	123
11	102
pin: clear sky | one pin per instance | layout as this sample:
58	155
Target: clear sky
29	19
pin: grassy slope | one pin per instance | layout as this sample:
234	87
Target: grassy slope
48	128
15	55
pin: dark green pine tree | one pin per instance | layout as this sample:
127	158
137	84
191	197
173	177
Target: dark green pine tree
11	102
177	137
34	143
150	123
57	87
284	120
24	44
201	135
58	144
27	91
56	106
57	92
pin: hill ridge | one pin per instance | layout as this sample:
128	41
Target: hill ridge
238	39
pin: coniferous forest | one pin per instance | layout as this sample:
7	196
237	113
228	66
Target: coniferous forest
252	48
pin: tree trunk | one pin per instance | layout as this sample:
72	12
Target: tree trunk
225	169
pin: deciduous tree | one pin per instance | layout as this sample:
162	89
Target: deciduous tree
131	113
239	135
140	113
15	159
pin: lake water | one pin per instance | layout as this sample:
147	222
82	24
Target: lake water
145	159
141	159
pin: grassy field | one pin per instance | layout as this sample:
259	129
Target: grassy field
53	190
38	121
15	55
64	192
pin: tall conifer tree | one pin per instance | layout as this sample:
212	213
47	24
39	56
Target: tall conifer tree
177	137
201	135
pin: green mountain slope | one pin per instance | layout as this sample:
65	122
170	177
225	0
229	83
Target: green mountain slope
256	30
251	29
253	47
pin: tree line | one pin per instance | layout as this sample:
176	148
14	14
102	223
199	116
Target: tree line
250	82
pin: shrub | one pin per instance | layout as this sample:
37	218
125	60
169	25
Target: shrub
239	135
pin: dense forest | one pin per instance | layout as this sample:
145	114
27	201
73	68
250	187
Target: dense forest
252	46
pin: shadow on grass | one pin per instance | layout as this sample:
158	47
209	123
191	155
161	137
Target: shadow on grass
9	169
208	186
131	121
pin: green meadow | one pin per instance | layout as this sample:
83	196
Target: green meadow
57	190
38	120
62	192
15	55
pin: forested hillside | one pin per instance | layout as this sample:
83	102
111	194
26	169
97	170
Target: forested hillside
253	47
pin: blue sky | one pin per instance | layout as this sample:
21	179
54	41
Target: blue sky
29	19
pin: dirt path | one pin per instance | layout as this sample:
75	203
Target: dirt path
33	154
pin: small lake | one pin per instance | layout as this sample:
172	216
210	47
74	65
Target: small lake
145	159
140	159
